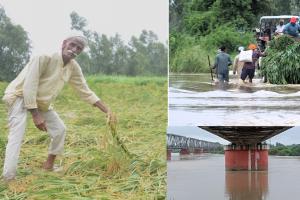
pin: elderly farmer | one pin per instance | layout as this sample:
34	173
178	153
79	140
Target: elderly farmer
34	89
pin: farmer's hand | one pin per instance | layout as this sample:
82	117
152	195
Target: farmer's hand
111	118
38	120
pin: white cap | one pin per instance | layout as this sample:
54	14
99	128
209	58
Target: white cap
78	35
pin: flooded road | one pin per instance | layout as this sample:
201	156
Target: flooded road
204	177
196	100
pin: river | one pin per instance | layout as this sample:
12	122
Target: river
196	100
205	178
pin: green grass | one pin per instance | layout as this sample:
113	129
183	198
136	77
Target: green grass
94	165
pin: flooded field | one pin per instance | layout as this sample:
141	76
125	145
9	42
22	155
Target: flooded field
204	177
196	100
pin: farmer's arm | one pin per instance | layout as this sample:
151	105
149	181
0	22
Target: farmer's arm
30	87
78	82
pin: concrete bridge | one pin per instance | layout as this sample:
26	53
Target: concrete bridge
247	150
187	145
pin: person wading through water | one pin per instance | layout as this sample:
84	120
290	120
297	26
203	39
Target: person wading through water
222	61
34	89
249	67
238	65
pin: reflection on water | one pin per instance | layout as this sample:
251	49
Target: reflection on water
246	185
204	177
194	100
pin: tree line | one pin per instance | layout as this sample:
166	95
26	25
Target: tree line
143	55
277	150
285	150
14	48
199	27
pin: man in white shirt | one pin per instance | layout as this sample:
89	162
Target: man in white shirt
279	28
34	89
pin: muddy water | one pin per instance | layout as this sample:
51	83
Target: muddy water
204	177
196	100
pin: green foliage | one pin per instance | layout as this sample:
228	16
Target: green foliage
282	150
94	165
180	41
189	54
281	43
202	5
227	36
200	23
199	27
177	10
238	12
77	22
144	55
14	48
190	59
281	66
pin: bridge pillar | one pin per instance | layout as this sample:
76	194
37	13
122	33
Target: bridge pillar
184	151
246	157
169	151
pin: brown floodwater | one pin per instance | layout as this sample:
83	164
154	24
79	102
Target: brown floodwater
204	178
196	100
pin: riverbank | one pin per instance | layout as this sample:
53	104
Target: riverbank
93	166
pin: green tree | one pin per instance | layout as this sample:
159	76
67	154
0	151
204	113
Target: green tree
120	55
85	62
137	57
77	22
279	7
109	55
14	48
176	13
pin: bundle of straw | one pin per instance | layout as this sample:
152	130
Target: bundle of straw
112	125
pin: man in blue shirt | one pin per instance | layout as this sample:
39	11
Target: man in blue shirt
292	28
222	61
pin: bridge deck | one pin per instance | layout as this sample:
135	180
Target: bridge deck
245	135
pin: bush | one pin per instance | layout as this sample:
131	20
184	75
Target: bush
281	66
189	54
190	59
199	24
229	37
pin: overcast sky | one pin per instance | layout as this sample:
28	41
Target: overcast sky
48	21
290	136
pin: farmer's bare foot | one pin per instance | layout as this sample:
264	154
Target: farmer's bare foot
48	165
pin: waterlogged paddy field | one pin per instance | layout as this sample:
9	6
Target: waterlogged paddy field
94	166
